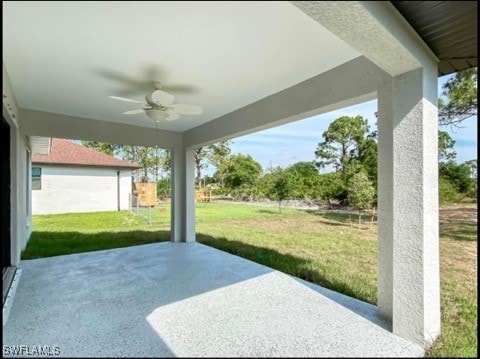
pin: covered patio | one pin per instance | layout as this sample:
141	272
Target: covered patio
250	66
188	300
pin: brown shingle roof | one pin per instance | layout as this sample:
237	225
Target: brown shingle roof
64	152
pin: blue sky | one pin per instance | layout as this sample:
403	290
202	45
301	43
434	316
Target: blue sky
297	141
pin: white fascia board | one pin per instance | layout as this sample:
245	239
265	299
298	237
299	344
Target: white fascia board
40	145
48	124
348	84
375	29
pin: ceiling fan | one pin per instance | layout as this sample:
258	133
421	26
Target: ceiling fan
160	105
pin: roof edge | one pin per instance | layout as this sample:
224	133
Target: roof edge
134	167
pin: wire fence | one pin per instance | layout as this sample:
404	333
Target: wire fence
141	210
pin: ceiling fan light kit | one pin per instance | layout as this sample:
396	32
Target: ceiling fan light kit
160	106
156	115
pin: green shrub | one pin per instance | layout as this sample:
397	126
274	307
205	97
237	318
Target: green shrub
360	191
457	174
218	191
447	191
329	186
164	188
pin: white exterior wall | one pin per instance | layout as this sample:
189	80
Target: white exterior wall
125	189
68	189
20	208
20	220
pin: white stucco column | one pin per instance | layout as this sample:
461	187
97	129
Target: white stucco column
408	254
183	196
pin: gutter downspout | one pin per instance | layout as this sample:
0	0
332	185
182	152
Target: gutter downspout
118	190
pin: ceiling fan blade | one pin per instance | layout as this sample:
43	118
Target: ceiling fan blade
188	109
172	116
133	112
163	98
124	99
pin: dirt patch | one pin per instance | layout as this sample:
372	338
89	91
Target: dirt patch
467	214
313	223
457	222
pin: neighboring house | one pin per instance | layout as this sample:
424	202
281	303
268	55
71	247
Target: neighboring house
74	178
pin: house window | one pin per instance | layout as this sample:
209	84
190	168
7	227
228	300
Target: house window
36	178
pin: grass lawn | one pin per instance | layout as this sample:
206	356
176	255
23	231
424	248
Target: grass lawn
59	234
317	246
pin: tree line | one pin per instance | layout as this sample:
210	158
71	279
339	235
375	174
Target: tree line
348	147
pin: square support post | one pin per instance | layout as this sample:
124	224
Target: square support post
408	234
183	196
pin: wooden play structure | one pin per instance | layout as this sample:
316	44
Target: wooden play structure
146	193
203	195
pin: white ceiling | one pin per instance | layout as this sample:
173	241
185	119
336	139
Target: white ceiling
68	57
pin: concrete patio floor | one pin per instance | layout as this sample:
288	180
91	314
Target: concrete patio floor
187	300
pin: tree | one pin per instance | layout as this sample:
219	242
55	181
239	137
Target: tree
445	147
107	148
163	164
240	172
150	159
160	162
368	156
144	157
328	186
304	176
213	154
350	147
217	153
198	159
447	191
163	188
282	186
472	164
458	174
265	183
341	142
459	98
305	169
165	161
360	193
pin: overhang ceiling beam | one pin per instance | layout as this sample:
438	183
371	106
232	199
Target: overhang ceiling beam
348	84
375	29
62	126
